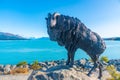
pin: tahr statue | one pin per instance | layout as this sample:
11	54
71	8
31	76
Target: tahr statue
73	34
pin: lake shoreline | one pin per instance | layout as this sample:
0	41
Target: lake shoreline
59	67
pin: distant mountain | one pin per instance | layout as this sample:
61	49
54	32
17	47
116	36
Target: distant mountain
9	36
45	38
113	38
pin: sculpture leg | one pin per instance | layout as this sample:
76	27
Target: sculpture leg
71	52
68	60
72	60
100	70
95	66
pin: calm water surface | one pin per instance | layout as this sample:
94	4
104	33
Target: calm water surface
14	51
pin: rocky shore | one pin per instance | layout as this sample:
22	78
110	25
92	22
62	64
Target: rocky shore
116	63
57	70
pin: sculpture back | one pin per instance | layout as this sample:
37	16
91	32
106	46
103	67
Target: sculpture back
67	30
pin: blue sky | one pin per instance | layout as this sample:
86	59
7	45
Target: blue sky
27	17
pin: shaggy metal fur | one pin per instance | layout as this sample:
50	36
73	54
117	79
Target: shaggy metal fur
73	34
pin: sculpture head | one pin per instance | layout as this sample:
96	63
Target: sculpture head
52	21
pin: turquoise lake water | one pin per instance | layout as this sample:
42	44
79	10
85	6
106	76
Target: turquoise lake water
14	51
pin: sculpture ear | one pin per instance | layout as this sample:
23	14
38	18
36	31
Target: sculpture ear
46	18
49	14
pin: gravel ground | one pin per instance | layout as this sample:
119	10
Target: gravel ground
16	76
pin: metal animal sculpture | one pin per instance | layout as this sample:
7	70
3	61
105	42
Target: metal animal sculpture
73	34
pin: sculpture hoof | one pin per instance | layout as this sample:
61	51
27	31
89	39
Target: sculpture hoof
99	77
88	74
70	65
67	63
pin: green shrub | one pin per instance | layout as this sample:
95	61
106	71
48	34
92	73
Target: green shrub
22	63
111	68
112	71
110	78
35	65
116	75
104	58
19	70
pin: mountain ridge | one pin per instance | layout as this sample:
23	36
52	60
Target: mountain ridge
112	38
10	36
